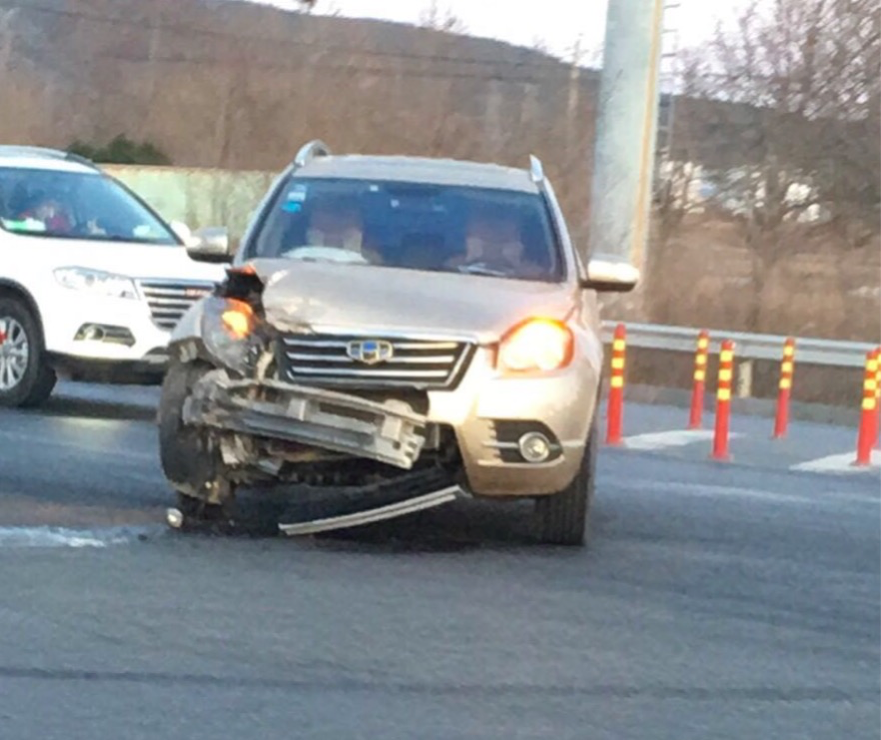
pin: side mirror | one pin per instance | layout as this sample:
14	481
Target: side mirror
607	273
211	244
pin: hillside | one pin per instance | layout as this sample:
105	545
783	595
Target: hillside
234	84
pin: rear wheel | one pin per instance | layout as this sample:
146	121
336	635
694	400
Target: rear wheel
562	517
25	377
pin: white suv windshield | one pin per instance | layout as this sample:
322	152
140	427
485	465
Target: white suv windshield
75	205
444	228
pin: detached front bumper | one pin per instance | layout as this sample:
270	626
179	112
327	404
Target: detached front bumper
390	433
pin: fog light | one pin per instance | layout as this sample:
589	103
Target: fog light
91	333
534	447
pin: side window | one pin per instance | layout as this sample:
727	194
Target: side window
30	204
82	205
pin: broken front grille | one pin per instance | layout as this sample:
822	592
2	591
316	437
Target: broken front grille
373	361
169	300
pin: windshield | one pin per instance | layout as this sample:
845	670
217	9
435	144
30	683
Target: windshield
76	205
443	228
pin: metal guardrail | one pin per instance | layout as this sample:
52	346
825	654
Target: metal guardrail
747	346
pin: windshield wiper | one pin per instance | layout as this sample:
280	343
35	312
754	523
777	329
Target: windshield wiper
481	269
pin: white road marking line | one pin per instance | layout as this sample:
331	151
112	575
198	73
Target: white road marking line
673	438
842	463
76	538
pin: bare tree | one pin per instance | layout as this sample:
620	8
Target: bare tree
783	115
441	19
803	87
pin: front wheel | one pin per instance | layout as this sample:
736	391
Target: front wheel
189	456
562	517
25	378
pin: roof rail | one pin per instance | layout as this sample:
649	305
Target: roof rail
79	159
315	148
536	170
39	152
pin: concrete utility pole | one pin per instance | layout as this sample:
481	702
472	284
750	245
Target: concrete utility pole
626	129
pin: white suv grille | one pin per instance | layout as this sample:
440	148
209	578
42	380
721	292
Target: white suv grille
169	300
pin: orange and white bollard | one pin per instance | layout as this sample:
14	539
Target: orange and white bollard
787	367
723	401
869	417
700	380
615	411
878	397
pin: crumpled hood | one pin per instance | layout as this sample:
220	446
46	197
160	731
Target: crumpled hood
325	295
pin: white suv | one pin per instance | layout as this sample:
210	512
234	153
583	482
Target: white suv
92	280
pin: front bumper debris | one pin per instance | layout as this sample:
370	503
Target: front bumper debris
368	513
390	433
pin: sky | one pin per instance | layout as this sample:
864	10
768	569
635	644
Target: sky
557	23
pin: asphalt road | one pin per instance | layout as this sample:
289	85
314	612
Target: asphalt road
716	600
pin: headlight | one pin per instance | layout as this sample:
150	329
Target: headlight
228	328
96	282
536	345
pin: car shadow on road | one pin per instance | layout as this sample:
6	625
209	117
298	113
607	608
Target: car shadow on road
454	527
458	526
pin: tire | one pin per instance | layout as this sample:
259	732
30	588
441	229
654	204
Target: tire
562	517
189	456
32	384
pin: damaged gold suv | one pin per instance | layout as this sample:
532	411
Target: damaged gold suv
414	328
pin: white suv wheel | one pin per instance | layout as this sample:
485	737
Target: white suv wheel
14	353
26	378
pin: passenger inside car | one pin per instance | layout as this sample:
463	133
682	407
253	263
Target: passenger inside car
336	223
50	212
494	241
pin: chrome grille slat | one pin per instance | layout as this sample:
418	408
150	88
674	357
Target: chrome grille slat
317	343
177	301
445	360
323	358
168	299
163	292
372	373
306	341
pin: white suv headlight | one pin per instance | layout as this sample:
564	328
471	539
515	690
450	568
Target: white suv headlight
96	281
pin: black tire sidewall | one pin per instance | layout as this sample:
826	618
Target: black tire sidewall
564	517
186	456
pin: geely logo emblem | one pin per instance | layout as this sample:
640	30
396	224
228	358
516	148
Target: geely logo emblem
371	351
